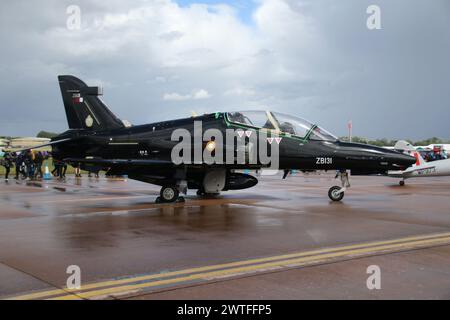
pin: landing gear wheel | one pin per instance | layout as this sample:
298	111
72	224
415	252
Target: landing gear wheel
169	194
401	182
335	194
201	192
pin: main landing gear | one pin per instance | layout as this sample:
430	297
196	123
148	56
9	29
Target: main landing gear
169	193
402	182
336	193
203	194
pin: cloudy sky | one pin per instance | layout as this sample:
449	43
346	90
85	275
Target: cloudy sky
162	59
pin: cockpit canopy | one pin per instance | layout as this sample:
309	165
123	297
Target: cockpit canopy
280	123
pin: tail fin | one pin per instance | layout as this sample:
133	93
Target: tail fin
408	148
84	110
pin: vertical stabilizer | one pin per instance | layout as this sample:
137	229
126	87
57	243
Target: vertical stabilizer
84	109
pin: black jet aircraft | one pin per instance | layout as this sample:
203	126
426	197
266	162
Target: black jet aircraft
98	139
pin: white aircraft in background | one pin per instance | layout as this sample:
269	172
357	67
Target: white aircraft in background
421	168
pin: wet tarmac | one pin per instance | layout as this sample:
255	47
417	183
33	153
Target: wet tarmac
283	239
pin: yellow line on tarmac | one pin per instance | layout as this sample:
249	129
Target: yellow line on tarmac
252	268
314	253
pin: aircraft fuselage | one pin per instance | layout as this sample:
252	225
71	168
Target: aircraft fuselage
154	142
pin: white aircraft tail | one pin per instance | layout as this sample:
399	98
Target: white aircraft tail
408	148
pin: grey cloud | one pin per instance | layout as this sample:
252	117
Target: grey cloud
314	59
171	36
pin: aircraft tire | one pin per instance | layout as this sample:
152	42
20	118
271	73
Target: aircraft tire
334	195
169	194
401	182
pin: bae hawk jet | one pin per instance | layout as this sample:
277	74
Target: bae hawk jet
98	139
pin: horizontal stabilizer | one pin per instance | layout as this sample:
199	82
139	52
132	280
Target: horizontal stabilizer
44	145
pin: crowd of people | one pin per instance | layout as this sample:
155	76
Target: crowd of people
28	165
434	154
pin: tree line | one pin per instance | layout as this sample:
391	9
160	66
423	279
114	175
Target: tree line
390	143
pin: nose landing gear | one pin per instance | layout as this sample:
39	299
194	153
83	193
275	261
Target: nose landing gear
336	193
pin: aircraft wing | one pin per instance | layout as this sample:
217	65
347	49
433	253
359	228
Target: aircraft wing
396	174
422	170
114	162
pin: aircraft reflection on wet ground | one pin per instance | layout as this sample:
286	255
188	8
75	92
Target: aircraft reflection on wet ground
113	230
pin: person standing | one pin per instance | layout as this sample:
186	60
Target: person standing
29	164
78	171
38	160
62	169
57	166
93	171
19	163
7	163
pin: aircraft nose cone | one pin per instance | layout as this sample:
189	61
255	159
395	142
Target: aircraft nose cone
376	159
402	160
